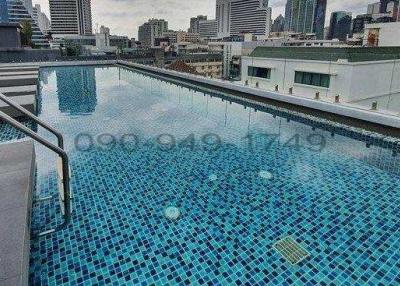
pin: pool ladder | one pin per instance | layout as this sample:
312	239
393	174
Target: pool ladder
63	170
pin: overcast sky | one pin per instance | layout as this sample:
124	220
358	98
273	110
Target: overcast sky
124	16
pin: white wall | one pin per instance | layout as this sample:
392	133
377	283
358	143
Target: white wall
352	81
389	34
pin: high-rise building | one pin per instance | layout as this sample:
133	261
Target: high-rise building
319	18
154	28
383	7
41	19
194	23
235	17
71	17
340	25
305	16
374	8
359	23
279	24
14	11
208	29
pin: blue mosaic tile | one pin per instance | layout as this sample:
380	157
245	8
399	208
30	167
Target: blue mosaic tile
340	202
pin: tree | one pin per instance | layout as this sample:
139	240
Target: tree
26	33
72	49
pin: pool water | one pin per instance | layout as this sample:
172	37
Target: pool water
241	178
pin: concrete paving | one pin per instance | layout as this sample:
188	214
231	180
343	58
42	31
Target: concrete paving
17	173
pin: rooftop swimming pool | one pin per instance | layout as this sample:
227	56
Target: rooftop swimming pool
244	178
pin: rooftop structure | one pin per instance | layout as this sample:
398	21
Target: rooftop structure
17	13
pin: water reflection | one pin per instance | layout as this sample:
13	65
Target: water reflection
77	85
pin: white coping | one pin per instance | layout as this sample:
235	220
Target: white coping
58	63
336	108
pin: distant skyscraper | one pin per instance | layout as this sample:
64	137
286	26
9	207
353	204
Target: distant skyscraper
383	7
41	19
71	17
194	23
305	16
154	28
235	17
279	24
374	8
359	23
319	18
340	25
14	11
208	29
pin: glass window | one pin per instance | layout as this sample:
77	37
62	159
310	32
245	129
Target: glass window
314	79
259	72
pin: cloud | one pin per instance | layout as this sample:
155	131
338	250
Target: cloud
124	17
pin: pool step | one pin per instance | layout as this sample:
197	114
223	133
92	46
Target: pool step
18	80
18	90
26	101
19	83
18	68
18	73
17	175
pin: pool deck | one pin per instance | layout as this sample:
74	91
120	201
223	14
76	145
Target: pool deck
17	169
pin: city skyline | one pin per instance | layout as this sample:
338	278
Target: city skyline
127	15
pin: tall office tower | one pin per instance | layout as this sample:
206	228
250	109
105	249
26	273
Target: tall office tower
85	17
340	25
208	29
305	16
359	23
41	19
319	18
194	23
288	15
14	11
383	7
71	17
28	5
152	29
374	8
235	17
279	24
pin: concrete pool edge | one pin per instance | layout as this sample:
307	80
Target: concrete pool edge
337	109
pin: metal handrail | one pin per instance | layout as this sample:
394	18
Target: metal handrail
65	167
34	118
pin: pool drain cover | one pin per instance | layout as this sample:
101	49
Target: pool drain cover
172	213
266	175
213	177
291	250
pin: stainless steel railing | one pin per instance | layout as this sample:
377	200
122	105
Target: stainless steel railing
57	149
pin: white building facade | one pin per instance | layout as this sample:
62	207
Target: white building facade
235	17
382	34
355	82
